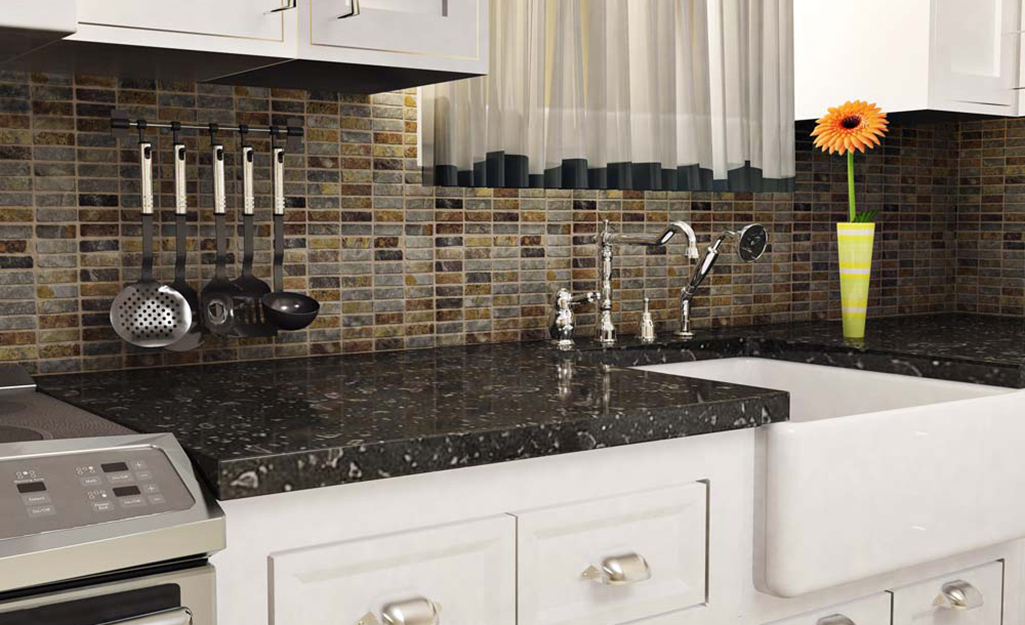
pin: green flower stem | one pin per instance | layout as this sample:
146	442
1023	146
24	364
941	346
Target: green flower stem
850	183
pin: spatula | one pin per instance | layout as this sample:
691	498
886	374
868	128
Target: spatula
194	337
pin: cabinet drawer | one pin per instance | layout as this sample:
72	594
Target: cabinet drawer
666	527
980	591
871	610
466	568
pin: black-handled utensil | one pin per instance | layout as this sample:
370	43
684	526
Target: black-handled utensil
194	337
216	298
288	311
249	317
147	313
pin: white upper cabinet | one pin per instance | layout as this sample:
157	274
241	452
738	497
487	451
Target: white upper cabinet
343	45
379	45
975	52
234	26
425	33
26	25
912	55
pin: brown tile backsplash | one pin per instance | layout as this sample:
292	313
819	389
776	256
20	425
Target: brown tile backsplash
397	265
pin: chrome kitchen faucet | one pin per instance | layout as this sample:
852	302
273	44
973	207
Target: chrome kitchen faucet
605	330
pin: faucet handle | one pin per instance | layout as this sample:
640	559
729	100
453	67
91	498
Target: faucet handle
562	320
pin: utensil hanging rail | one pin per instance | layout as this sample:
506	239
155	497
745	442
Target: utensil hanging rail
292	131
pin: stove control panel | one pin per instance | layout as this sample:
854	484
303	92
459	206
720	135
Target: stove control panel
56	492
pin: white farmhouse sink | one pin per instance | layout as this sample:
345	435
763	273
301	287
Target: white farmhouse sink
875	472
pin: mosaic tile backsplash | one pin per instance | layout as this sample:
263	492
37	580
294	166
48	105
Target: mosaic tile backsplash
397	265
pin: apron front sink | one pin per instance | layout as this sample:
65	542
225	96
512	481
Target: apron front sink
875	471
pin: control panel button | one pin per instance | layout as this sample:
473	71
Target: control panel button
144	476
157	500
92	480
151	488
121	477
35	499
134	501
103	506
138	465
41	511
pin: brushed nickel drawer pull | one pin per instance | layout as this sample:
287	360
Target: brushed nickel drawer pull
178	616
958	595
288	7
835	619
629	568
353	10
416	611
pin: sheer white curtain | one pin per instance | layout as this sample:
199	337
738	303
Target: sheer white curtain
623	94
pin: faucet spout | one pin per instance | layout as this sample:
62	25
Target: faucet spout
674	228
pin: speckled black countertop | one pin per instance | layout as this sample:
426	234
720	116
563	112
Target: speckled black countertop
272	426
959	347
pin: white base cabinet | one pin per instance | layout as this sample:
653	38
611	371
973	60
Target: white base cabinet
871	610
655	540
972	597
464	571
511	542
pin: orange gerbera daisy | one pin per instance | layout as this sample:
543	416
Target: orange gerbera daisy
852	125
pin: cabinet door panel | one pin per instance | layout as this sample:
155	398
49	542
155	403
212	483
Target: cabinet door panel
447	35
466	568
916	604
243	19
666	527
432	27
975	50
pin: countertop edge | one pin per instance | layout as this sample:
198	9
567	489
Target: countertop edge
239	478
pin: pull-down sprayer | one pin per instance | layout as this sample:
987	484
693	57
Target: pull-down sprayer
751	243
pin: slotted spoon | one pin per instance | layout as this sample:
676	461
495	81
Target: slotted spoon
194	337
249	321
148	313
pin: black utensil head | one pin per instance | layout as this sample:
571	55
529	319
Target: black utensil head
290	311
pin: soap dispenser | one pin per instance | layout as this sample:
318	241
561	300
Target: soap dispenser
647	325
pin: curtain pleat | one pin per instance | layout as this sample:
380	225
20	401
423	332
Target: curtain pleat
685	95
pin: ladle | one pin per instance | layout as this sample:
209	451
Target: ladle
288	311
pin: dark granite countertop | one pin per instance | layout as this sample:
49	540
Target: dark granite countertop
959	347
272	426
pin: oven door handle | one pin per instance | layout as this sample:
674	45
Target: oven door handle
177	616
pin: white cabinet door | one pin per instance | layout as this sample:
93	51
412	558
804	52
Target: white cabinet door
926	603
444	35
227	26
468	569
666	527
975	47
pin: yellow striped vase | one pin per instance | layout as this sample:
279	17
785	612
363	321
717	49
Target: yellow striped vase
855	245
